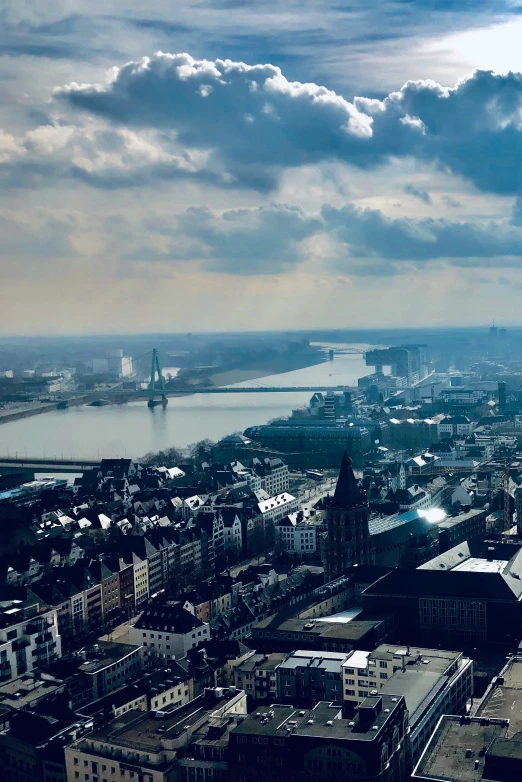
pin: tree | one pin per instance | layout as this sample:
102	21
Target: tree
168	458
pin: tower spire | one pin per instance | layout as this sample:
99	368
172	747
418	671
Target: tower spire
347	493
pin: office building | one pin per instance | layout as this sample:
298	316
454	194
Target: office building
284	743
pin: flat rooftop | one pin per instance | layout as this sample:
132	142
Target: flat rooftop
505	699
262	661
330	661
24	691
107	653
455	747
144	731
324	721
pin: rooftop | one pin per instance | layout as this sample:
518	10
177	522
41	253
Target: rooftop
324	721
106	653
455	752
505	697
26	691
327	661
144	731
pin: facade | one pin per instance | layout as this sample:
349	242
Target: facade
455	426
456	599
285	744
232	531
306	677
141	580
257	676
296	536
348	536
169	630
29	639
111	666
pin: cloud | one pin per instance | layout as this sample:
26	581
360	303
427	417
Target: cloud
417	192
265	240
254	123
370	235
450	201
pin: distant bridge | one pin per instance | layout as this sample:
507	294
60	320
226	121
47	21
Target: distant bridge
266	389
39	465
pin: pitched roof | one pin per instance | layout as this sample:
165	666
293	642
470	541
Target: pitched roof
347	493
169	616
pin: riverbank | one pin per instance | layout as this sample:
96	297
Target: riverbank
266	368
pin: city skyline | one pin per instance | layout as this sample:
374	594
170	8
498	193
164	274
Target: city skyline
175	169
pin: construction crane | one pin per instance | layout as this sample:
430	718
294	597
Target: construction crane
156	368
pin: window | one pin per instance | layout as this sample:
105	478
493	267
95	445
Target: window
383	675
382	664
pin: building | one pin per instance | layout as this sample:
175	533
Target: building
148	746
110	666
405	539
470	749
296	536
257	676
340	633
467	526
273	473
348	537
413	497
29	638
432	681
504	697
456	599
169	630
285	743
455	426
275	508
306	677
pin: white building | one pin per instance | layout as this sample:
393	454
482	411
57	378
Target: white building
169	630
296	535
457	425
274	474
29	639
232	530
275	508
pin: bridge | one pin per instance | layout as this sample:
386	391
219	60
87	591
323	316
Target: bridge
264	389
43	465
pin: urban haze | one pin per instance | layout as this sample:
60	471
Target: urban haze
260	391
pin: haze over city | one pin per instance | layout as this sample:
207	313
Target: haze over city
244	165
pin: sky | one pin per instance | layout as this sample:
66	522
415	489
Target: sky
245	165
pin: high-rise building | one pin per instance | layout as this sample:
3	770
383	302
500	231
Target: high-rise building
348	537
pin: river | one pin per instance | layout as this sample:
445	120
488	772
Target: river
131	430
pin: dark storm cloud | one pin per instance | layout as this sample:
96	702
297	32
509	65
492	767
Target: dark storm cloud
369	234
252	116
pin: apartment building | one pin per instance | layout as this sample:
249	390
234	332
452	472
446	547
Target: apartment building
29	638
141	746
169	630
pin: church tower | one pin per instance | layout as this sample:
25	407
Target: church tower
348	535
